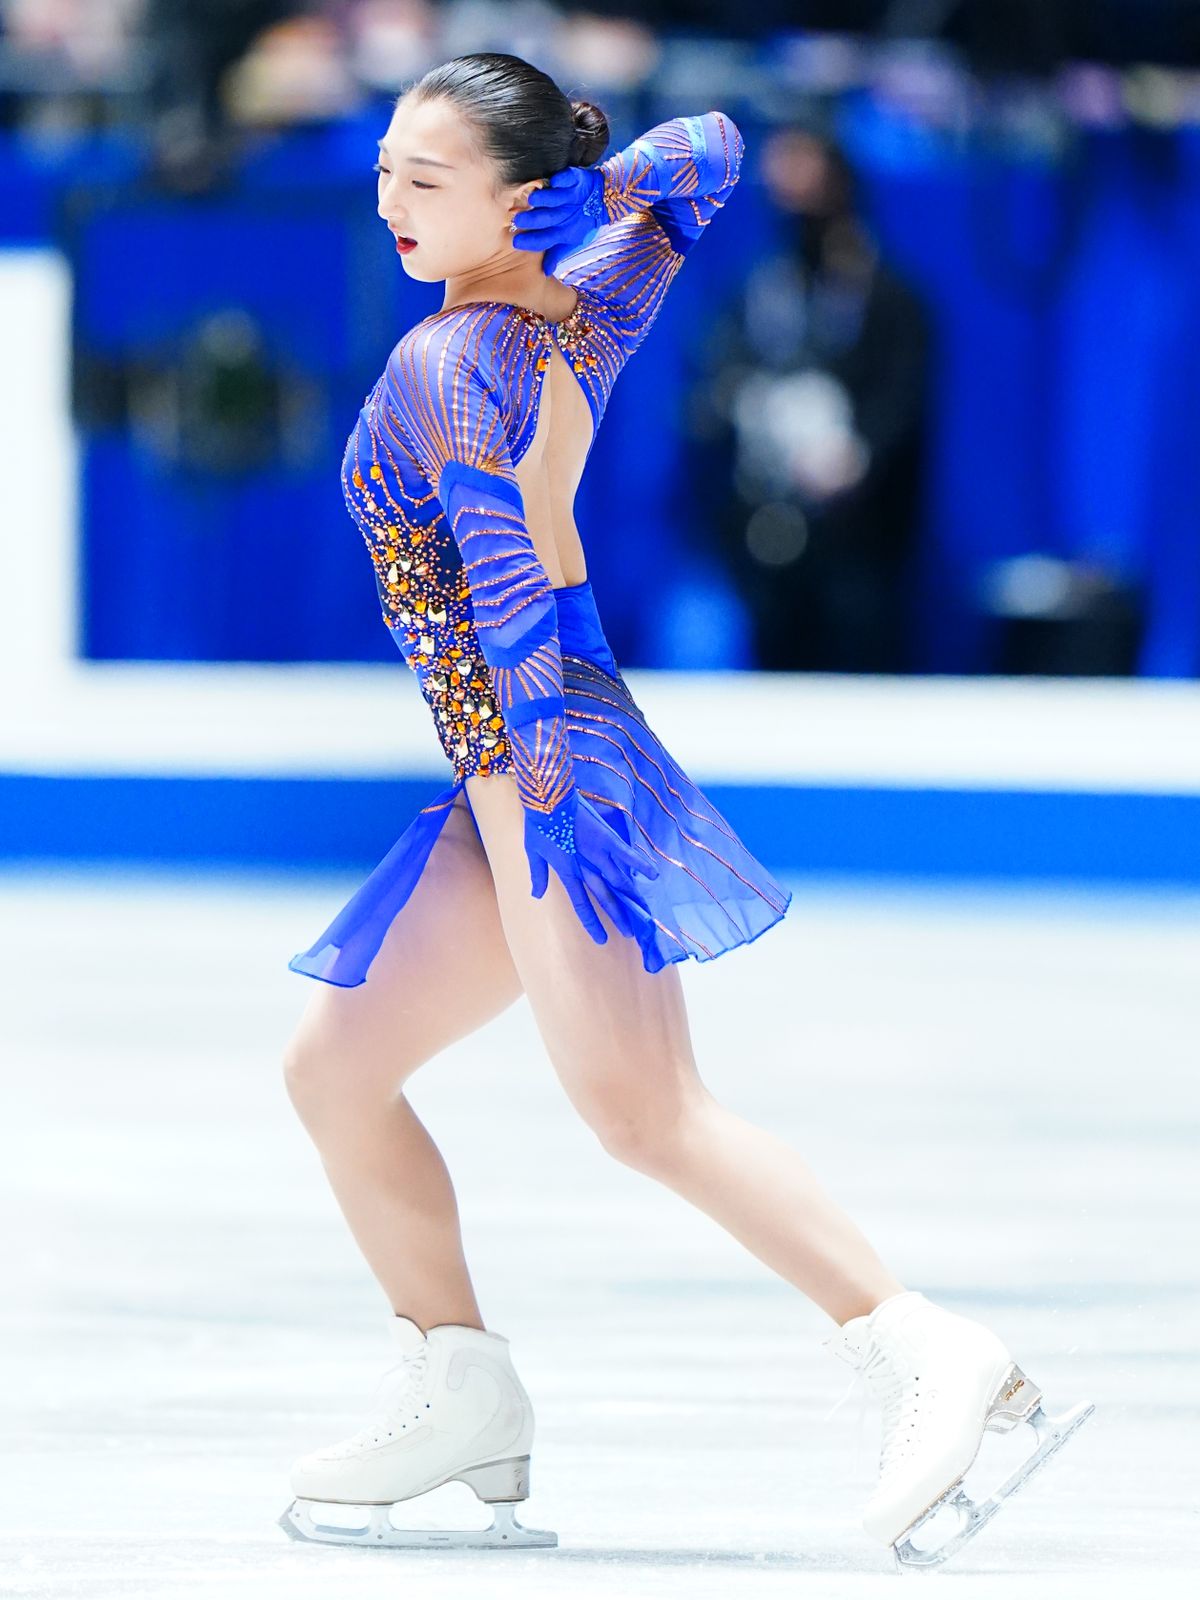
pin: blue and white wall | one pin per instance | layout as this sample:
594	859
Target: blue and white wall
1085	780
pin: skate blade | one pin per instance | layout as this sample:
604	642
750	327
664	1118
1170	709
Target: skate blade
380	1532
1052	1433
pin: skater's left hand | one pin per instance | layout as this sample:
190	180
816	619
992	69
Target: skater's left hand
562	215
600	864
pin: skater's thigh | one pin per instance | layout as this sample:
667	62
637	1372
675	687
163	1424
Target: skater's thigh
617	1035
443	970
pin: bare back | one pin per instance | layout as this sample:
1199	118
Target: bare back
549	472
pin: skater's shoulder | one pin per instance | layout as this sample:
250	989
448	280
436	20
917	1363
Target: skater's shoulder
445	361
462	336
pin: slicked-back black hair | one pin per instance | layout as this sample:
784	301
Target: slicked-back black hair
523	120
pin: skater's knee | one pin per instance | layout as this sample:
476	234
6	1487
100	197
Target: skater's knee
305	1075
321	1084
344	1062
652	1135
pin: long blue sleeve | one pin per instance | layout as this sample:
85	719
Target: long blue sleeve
682	172
658	195
438	400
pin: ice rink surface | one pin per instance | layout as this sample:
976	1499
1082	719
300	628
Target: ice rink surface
1001	1087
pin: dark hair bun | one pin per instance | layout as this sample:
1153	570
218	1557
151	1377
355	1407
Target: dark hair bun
591	134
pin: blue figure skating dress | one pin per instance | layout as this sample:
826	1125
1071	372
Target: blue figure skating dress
518	675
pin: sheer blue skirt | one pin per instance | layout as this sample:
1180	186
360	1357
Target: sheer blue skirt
711	894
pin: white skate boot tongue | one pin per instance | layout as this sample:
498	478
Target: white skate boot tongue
852	1340
855	1341
405	1335
410	1352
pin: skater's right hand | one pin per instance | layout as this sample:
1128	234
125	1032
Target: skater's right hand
590	857
562	214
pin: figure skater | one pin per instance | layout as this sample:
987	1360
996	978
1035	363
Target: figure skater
571	860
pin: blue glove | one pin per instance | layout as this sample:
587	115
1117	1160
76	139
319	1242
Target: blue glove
589	856
566	212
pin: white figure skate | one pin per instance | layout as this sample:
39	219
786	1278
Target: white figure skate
943	1380
453	1408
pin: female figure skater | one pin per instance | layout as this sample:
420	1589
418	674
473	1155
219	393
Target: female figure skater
571	859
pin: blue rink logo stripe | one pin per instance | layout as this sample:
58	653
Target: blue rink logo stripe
317	822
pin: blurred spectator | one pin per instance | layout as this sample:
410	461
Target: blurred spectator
807	425
190	46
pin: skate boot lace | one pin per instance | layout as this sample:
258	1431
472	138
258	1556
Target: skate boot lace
897	1392
390	1403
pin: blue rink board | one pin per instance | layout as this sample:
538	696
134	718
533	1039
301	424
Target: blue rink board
349	823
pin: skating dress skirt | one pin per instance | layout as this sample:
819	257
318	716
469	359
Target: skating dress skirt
711	893
517	675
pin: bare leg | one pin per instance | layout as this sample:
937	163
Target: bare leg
354	1049
618	1037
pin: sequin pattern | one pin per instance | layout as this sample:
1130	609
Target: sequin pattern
424	598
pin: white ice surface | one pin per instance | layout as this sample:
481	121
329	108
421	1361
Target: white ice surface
1002	1091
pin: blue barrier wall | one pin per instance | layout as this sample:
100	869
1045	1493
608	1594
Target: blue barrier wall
797	829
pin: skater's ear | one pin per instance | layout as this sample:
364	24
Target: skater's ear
519	200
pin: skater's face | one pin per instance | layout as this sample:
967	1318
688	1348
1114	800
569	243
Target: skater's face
439	188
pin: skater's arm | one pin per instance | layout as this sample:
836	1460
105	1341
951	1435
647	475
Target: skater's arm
656	196
680	173
436	392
